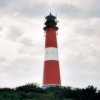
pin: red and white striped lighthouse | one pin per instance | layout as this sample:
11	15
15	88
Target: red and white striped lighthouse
51	74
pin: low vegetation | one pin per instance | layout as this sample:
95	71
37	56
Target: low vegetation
34	92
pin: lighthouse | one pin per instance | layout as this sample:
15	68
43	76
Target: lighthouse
51	73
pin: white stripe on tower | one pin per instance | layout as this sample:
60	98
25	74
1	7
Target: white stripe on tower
51	53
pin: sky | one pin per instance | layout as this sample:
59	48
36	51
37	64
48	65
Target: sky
22	41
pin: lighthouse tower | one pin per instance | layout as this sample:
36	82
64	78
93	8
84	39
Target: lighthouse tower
51	74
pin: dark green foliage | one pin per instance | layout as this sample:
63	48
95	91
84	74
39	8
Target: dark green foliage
34	92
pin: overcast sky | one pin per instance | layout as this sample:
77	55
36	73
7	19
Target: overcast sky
22	41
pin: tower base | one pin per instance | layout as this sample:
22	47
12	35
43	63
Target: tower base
50	85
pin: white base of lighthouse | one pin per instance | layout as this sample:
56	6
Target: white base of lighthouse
50	85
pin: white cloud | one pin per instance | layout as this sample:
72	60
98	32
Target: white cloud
26	41
21	70
2	59
32	50
80	52
14	33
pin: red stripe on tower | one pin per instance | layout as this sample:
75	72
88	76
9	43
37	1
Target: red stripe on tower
51	75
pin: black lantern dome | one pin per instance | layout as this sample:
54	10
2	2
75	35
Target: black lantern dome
50	22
